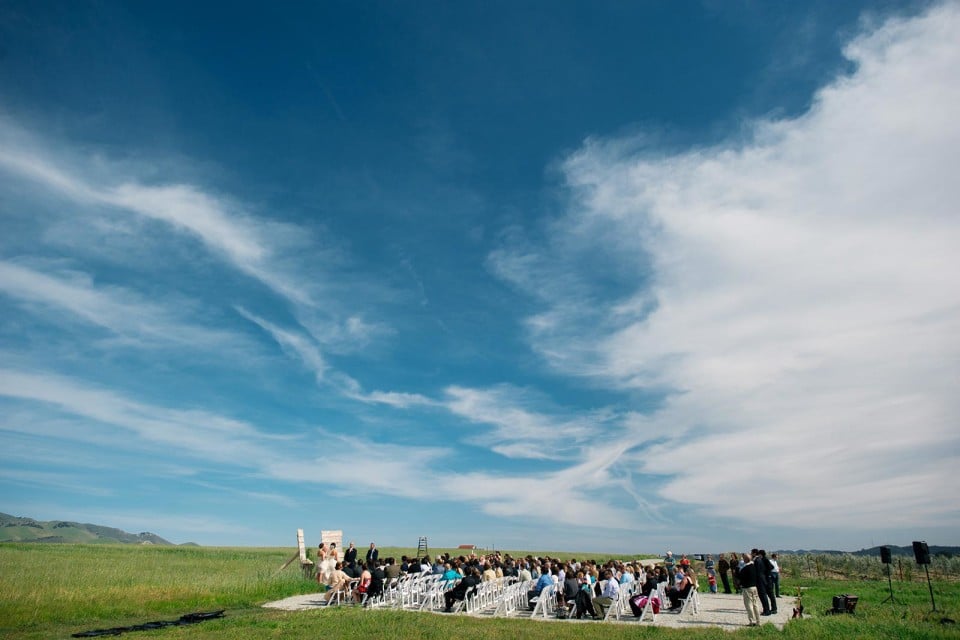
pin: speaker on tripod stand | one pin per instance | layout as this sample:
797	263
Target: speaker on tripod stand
886	559
922	553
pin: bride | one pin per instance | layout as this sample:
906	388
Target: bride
325	563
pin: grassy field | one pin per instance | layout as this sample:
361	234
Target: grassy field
52	591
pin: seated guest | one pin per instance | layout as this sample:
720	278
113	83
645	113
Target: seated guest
571	585
545	580
676	575
377	578
682	590
339	583
450	575
460	591
608	595
352	570
364	585
413	566
649	582
489	575
584	597
523	573
392	569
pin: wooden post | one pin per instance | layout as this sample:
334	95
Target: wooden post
286	564
306	564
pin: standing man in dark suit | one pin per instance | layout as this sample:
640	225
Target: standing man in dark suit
373	554
761	580
724	566
765	582
350	556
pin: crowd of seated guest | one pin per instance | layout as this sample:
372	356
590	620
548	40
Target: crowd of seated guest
593	582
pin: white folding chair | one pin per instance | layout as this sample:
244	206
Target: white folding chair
648	608
692	601
616	607
546	602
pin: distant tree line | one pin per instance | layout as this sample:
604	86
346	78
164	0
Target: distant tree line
864	567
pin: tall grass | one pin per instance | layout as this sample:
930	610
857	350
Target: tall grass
51	591
43	584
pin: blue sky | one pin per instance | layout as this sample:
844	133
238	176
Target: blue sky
545	275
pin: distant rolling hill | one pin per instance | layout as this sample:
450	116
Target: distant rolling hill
935	550
17	529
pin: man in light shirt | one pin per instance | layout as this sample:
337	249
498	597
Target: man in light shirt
609	595
748	588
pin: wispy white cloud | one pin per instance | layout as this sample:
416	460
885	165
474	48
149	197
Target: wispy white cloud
302	346
398	399
119	310
294	344
105	197
382	468
421	473
801	300
256	496
249	244
276	254
61	481
196	433
518	431
582	494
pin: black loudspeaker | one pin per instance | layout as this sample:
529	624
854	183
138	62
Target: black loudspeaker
885	555
921	552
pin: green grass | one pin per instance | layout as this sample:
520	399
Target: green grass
52	591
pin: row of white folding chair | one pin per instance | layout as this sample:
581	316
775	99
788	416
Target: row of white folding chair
387	591
546	606
514	598
393	590
408	591
487	594
620	606
345	594
402	591
432	592
691	602
415	590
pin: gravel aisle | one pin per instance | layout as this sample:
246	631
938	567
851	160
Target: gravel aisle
716	610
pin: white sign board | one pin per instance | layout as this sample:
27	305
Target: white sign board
333	536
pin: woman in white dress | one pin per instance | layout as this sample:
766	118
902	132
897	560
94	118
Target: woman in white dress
324	564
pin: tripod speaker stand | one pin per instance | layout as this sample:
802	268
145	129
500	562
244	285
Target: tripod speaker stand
885	559
922	553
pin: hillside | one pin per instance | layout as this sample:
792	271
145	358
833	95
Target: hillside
935	550
17	529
